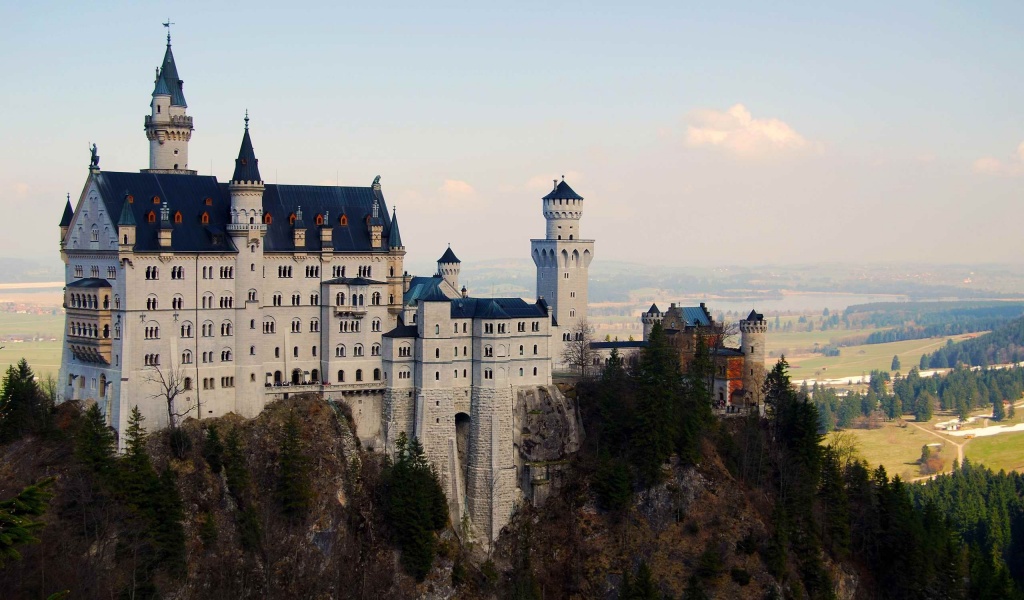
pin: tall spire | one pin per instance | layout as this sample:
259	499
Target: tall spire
167	81
394	237
65	220
246	165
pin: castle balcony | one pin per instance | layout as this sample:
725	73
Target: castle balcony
350	311
90	349
245	227
175	120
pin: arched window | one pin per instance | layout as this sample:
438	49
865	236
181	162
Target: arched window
319	220
186	357
205	218
188	384
343	220
151	217
267	219
291	219
341	376
177	218
339	351
376	374
359	374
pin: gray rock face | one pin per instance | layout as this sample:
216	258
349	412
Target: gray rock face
548	432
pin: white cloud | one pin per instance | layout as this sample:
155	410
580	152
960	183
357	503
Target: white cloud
456	189
737	131
20	188
990	165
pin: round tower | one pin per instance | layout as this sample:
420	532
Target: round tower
448	267
649	318
563	209
752	344
168	128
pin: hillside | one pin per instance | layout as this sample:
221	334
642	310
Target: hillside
1000	346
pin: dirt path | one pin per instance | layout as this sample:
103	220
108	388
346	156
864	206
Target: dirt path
959	447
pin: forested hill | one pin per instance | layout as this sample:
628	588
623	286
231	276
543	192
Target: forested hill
1000	346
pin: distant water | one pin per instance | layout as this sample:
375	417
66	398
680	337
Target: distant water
796	301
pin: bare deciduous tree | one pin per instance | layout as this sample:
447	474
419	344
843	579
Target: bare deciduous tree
578	353
173	382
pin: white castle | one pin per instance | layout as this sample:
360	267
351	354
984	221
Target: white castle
227	296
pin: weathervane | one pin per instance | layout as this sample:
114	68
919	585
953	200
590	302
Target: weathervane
168	24
247	118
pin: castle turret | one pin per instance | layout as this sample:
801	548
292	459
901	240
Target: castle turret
246	189
126	226
299	230
563	261
65	220
168	128
752	344
448	267
649	318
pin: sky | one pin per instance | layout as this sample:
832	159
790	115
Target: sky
698	133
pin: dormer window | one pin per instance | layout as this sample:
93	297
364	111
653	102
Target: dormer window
177	218
156	199
319	220
209	201
131	199
291	219
343	221
243	161
267	219
205	218
151	217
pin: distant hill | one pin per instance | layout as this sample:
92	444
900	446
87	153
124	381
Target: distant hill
22	270
1002	345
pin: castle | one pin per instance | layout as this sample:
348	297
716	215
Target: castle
189	297
738	372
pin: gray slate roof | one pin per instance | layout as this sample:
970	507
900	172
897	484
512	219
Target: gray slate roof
65	220
449	257
562	191
497	308
188	194
90	282
754	316
402	331
246	165
168	77
395	237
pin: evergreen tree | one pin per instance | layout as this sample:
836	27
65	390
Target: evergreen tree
293	489
416	506
234	465
657	408
95	444
167	531
895	366
924	362
21	403
17	519
138	482
213	449
998	410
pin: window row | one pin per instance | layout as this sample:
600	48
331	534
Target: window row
340	351
359	375
90	330
88	301
314	325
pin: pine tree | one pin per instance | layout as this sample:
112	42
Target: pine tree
657	408
95	444
21	404
895	366
213	449
293	489
167	531
17	522
234	465
138	481
924	362
416	506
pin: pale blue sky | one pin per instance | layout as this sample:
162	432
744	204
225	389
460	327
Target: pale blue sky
865	133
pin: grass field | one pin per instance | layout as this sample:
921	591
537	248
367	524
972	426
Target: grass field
855	361
898	448
43	356
1005	451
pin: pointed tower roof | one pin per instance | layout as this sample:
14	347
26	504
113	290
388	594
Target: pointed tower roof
394	237
449	257
246	165
65	221
754	316
168	78
653	309
562	191
127	219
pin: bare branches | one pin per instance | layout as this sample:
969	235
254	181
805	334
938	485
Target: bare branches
173	383
578	353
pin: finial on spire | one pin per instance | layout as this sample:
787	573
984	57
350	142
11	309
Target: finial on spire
69	196
168	24
247	119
